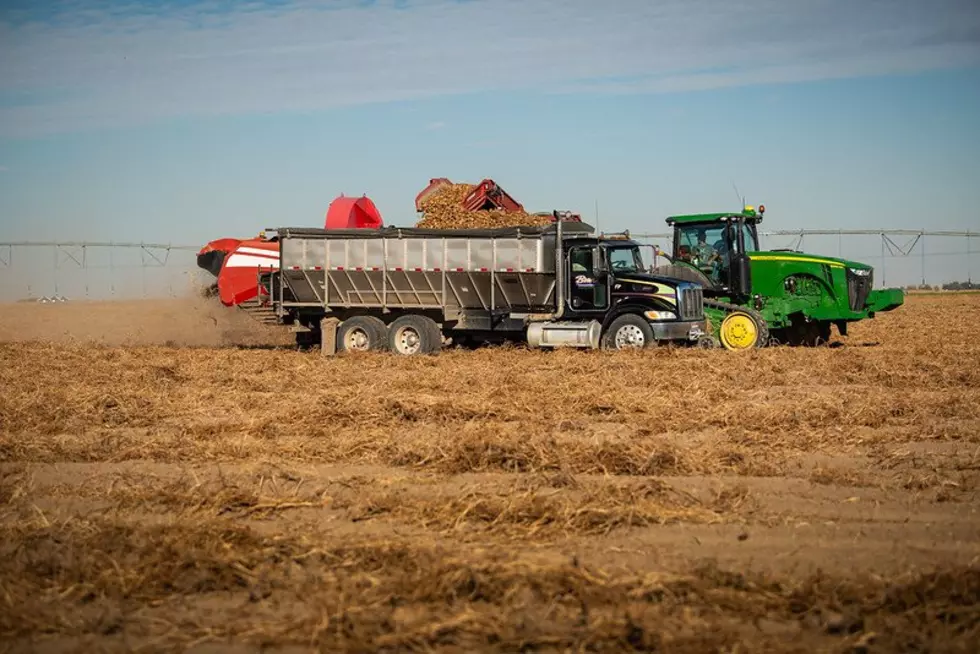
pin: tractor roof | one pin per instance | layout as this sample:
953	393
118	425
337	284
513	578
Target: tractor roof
748	213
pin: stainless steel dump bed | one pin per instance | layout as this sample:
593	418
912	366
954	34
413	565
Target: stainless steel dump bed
510	270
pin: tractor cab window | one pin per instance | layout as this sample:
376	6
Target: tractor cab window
625	260
709	247
702	246
701	241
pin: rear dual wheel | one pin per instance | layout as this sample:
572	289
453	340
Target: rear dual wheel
362	334
414	334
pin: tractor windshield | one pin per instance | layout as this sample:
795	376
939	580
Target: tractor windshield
625	259
698	243
708	246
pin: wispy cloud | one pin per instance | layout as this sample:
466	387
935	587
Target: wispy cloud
431	127
94	65
4	169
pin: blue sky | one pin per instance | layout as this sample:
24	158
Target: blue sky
181	121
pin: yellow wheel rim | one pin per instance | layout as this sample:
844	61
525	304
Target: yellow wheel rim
739	332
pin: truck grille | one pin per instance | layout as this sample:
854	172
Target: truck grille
690	303
858	289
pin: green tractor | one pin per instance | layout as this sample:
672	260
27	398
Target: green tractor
754	298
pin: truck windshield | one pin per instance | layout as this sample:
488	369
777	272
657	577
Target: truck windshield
625	259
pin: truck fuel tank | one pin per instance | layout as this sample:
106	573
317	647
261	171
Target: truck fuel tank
564	334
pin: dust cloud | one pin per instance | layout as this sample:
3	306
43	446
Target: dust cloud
179	322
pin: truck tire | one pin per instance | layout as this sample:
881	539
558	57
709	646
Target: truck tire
414	334
628	331
362	334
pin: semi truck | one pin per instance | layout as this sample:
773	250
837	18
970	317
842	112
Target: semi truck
410	290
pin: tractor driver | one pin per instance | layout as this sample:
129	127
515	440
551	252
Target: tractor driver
704	253
722	256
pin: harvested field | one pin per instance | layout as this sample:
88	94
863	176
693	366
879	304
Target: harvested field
162	488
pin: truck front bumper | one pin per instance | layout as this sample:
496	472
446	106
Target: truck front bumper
679	330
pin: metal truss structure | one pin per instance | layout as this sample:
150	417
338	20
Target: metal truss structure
76	258
890	247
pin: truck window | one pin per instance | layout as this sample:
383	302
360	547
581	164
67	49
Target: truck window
586	292
581	259
625	260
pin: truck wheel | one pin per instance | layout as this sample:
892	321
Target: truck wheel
629	331
413	334
362	334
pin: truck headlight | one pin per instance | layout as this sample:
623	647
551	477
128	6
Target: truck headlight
660	315
860	272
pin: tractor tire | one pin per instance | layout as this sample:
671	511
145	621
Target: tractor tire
414	334
741	328
628	331
806	334
362	334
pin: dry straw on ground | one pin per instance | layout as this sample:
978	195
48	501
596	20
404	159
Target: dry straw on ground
153	496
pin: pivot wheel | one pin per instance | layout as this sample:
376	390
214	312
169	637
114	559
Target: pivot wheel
627	332
362	334
414	334
740	331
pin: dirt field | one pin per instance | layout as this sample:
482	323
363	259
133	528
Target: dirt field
235	499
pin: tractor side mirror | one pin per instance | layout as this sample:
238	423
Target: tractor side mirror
742	272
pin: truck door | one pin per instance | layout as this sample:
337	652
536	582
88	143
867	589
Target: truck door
587	291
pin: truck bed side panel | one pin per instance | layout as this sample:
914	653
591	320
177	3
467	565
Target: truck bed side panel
451	274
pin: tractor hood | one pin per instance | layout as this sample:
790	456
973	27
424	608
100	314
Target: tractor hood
801	257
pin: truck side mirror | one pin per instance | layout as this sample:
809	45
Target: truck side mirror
599	266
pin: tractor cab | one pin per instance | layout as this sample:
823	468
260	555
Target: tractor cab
714	249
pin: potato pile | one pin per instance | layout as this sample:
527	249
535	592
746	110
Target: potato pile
443	210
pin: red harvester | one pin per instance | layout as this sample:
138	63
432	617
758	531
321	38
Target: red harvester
235	263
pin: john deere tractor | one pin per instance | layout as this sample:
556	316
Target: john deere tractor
755	298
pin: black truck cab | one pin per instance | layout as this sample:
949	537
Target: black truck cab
606	278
